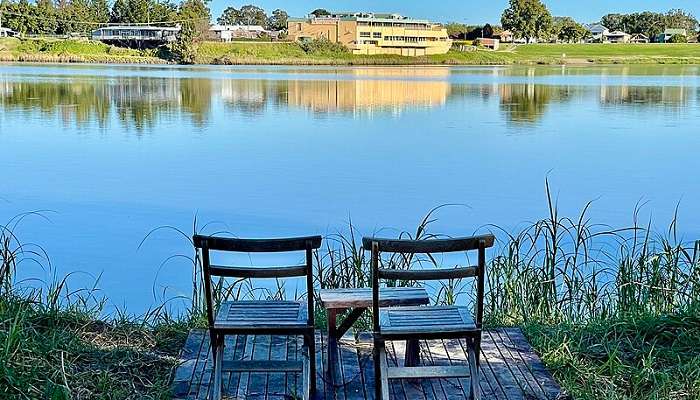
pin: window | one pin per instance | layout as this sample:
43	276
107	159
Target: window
364	34
377	35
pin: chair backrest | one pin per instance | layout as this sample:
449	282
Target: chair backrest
377	246
207	243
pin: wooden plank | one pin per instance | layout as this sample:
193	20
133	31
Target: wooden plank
234	377
266	366
429	360
184	374
452	386
200	386
516	355
513	364
428	372
292	384
276	381
364	353
501	370
352	375
490	389
257	245
244	377
394	359
362	297
229	350
434	274
258	380
428	246
550	386
258	272
383	361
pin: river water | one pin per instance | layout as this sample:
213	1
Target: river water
112	152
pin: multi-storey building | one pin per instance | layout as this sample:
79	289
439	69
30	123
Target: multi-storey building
369	33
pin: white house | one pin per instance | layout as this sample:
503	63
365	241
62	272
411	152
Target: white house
616	37
597	31
226	33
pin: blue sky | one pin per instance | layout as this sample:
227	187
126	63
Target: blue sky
464	11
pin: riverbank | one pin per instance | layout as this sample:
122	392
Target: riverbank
637	339
285	53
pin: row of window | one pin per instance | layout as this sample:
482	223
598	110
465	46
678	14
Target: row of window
394	24
409	39
376	35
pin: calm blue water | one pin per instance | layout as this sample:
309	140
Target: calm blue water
115	151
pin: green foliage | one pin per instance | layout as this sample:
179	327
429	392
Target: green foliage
195	15
278	20
319	12
527	19
567	30
677	38
324	47
649	23
246	15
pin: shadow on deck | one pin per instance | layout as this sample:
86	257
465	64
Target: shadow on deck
510	369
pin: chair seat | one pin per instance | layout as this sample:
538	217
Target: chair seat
261	314
425	319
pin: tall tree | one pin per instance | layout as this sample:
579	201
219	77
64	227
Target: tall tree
527	19
46	11
252	15
195	16
278	20
677	18
229	16
567	30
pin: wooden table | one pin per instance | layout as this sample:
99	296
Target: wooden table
337	301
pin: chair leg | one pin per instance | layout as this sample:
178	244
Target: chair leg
474	345
218	355
311	383
381	380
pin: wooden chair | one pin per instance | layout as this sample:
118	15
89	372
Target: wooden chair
427	322
260	317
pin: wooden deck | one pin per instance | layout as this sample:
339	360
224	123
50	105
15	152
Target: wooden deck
510	369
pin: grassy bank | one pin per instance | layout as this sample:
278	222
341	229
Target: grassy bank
283	53
614	313
73	51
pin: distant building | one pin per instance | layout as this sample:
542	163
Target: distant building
504	36
7	32
616	37
639	38
227	33
597	31
668	33
370	33
489	43
140	34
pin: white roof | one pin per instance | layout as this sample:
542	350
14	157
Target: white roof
616	33
256	28
3	29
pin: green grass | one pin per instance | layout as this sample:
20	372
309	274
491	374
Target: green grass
287	53
51	50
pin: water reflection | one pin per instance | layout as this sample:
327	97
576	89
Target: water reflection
139	102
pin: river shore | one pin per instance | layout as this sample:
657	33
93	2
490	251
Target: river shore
286	53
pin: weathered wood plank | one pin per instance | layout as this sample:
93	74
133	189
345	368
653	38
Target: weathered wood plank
428	246
362	297
534	363
510	369
184	374
434	274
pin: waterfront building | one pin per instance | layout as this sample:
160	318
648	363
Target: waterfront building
668	33
227	33
370	33
136	34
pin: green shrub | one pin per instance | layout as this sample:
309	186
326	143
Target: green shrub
677	38
323	47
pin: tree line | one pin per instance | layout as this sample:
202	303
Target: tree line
529	19
253	15
64	17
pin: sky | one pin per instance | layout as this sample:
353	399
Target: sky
467	11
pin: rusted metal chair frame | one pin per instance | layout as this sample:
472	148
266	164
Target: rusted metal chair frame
472	335
218	333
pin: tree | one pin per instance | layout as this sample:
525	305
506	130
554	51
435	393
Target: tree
678	39
527	19
319	12
252	15
120	11
567	30
99	10
195	16
677	18
278	20
229	16
487	31
614	22
46	24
